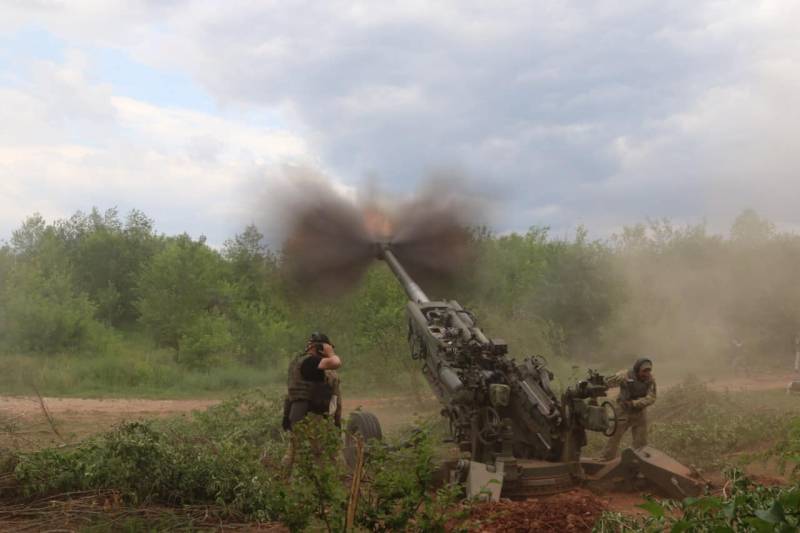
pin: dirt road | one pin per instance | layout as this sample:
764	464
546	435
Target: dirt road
78	417
23	422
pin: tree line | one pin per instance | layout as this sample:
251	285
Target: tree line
87	283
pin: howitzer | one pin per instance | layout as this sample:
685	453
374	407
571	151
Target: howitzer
514	433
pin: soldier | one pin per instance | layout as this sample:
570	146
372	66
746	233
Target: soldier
313	385
637	391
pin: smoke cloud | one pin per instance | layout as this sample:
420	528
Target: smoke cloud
330	233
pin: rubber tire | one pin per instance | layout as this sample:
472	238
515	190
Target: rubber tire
614	418
364	423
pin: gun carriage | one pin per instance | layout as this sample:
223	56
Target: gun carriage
515	435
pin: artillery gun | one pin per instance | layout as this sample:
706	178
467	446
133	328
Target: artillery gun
515	435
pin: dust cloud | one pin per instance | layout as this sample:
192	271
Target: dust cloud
707	304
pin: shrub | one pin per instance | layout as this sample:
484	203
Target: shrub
400	493
703	427
230	456
42	313
746	507
211	458
204	341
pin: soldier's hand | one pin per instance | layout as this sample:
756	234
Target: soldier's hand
327	350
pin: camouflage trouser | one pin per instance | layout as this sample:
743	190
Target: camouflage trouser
637	421
297	411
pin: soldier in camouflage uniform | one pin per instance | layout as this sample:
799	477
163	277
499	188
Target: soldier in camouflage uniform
313	385
637	391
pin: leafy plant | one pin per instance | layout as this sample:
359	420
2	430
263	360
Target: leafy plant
747	506
399	492
703	427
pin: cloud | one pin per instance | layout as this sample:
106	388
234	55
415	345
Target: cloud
600	113
74	145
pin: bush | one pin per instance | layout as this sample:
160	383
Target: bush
702	427
260	334
230	456
399	492
42	313
204	341
746	507
181	283
787	450
212	458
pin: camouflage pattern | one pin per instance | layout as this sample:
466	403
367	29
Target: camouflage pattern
305	396
641	394
634	398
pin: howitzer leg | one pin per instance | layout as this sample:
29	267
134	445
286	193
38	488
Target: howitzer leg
484	482
645	468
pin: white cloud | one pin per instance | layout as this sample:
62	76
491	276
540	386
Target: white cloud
72	149
612	110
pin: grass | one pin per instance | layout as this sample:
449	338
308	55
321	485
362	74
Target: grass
709	429
131	372
130	366
224	463
144	372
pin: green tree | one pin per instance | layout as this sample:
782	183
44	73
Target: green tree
107	257
26	240
42	313
259	316
180	284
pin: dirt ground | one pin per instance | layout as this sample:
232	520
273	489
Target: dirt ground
75	418
78	417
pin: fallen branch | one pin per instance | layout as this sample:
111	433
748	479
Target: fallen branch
47	415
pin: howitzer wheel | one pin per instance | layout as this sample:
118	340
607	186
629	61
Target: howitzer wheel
613	419
360	424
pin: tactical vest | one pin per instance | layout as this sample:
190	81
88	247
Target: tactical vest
633	389
317	394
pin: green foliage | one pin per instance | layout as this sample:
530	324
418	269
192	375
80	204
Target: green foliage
212	458
180	284
230	456
564	292
702	427
787	449
107	257
260	333
399	490
203	340
677	294
746	506
316	486
42	313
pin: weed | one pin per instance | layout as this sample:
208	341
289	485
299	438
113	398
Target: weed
229	457
747	506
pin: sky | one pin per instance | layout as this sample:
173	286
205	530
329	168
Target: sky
602	113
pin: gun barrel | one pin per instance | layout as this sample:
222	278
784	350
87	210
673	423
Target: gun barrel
413	290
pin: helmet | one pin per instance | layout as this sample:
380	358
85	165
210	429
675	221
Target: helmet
318	337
